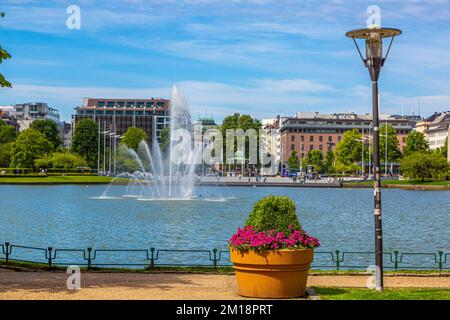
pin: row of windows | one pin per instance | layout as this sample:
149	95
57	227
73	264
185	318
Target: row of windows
120	112
130	104
399	131
311	138
311	147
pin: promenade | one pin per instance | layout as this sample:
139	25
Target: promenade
167	286
268	182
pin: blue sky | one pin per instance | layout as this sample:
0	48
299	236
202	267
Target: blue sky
262	57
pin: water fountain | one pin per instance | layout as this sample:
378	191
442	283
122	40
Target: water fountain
162	174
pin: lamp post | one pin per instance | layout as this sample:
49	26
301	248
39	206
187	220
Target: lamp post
374	61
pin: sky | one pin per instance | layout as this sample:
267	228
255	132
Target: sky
258	57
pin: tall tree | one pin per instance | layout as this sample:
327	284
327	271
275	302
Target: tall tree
238	121
7	133
134	136
423	166
314	158
49	129
5	155
416	142
293	161
165	139
393	148
348	150
85	141
29	145
329	162
3	56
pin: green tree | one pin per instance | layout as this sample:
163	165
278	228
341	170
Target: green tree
49	129
29	145
67	160
134	136
315	158
416	142
43	162
7	133
329	162
444	149
85	141
423	166
3	56
164	139
5	155
348	150
293	161
238	121
394	153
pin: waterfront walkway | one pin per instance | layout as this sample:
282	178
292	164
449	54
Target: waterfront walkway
166	286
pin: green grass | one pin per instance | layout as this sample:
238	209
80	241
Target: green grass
402	182
60	180
387	294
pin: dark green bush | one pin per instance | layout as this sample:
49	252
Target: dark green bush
274	212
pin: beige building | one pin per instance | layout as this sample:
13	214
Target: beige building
435	129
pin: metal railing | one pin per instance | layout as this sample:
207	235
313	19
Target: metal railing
152	257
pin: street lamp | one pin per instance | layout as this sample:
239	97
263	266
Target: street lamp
374	61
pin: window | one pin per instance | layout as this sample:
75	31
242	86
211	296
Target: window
292	147
303	147
320	147
292	138
311	138
311	147
303	138
320	138
330	139
339	138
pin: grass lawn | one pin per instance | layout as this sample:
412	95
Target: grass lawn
387	294
58	180
403	182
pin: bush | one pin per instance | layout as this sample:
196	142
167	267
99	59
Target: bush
274	212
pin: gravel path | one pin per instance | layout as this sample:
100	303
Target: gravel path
46	285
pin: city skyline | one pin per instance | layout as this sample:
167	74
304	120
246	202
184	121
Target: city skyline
264	59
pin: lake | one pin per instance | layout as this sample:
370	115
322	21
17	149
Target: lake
72	216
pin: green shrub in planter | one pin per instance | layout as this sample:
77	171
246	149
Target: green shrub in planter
274	212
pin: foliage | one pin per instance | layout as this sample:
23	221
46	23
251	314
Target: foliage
5	154
393	149
133	137
29	145
61	160
7	133
315	158
3	56
348	150
416	142
444	149
124	162
329	162
238	121
165	139
293	161
49	129
274	212
85	141
423	166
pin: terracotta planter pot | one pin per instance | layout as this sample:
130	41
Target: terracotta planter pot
276	274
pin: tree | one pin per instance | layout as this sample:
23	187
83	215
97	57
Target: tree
244	122
3	56
423	166
67	160
329	162
85	141
5	155
7	133
348	150
49	129
165	139
416	142
394	153
133	137
444	149
293	161
29	145
314	158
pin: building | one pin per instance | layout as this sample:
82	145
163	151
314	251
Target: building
314	131
200	126
26	113
435	129
117	115
67	134
7	117
271	144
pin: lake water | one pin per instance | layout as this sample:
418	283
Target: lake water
71	217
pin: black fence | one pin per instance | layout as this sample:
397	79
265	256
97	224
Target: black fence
152	257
